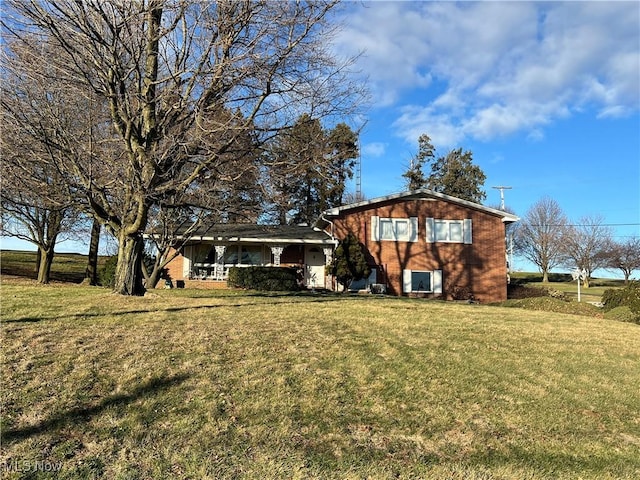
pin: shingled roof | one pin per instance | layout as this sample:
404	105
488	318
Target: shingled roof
224	232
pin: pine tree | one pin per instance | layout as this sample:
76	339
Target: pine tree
349	262
414	175
308	168
456	175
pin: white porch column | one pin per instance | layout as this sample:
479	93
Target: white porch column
328	255
187	261
328	258
218	273
277	250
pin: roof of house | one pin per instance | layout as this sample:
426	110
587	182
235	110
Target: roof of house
418	195
225	232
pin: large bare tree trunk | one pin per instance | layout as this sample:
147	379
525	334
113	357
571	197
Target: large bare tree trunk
129	276
44	270
36	269
91	273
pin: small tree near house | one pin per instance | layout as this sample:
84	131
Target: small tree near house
349	262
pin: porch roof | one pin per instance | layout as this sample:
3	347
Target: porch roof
251	233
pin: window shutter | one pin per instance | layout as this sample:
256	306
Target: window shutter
413	234
437	281
406	281
467	231
375	228
430	231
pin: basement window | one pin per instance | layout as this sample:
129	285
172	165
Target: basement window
421	281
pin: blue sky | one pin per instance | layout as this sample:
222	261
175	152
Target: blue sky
546	96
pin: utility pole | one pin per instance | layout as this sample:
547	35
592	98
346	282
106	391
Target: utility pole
502	189
509	240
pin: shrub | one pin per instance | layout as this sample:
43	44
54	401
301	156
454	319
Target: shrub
550	304
107	274
628	296
349	262
515	291
552	292
277	279
622	314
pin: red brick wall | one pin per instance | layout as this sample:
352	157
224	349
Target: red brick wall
174	270
479	268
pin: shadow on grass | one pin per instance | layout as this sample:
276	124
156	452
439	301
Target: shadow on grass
552	462
84	414
308	298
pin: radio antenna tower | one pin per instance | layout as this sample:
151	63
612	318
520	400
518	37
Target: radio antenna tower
502	189
359	172
359	164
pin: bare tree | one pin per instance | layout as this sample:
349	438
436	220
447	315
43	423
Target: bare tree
33	205
167	69
538	236
584	245
28	216
91	272
623	255
50	132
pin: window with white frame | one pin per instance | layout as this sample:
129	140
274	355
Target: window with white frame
421	281
394	229
449	231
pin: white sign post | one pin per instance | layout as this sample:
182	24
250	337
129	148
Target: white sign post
579	275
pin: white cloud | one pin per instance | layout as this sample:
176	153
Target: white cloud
374	149
490	69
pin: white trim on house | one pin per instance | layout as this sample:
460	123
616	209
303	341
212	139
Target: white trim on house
449	230
276	241
422	194
435	281
394	229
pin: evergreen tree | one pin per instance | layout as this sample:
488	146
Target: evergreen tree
307	170
414	176
456	175
349	262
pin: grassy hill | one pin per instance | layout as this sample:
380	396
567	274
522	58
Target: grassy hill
66	267
197	384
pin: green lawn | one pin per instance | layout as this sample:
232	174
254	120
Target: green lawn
197	384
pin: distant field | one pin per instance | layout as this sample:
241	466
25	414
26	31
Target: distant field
66	267
564	283
201	384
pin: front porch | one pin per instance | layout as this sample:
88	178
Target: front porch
207	258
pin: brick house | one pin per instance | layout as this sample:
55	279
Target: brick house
418	243
429	244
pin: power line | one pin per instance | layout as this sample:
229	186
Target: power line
585	225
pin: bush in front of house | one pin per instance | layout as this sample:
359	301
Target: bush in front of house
517	292
107	274
275	279
629	296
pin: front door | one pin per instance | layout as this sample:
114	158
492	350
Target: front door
314	267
